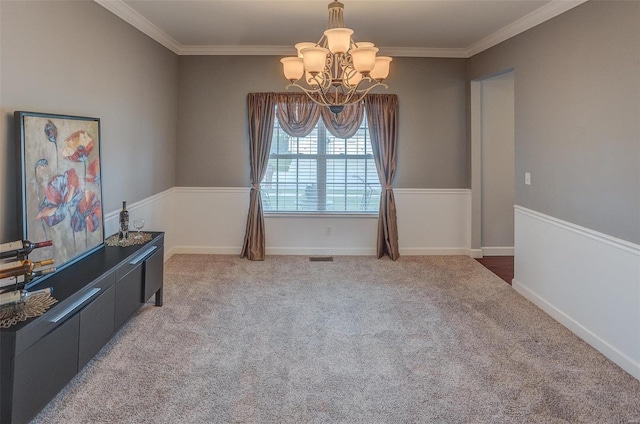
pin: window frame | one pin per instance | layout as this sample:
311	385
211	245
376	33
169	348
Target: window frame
321	159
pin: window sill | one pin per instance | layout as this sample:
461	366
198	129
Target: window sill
371	215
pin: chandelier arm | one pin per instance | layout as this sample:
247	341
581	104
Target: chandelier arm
313	94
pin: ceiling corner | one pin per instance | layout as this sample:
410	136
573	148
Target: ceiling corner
538	16
133	18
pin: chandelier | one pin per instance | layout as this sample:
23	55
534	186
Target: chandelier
336	71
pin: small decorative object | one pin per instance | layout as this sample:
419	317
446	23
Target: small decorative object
21	248
131	240
123	234
58	157
138	224
34	305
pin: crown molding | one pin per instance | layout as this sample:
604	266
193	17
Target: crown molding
423	52
133	18
538	16
237	51
290	51
546	12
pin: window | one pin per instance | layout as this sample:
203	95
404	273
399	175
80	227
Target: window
321	173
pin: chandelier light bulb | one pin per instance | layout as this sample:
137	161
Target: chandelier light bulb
293	68
338	39
381	69
364	59
300	46
314	59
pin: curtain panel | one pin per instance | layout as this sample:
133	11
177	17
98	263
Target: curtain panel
261	119
382	116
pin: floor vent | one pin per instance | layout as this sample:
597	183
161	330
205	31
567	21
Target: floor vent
321	258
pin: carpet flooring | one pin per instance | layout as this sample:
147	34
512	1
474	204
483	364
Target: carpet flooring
357	340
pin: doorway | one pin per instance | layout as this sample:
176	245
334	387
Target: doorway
493	165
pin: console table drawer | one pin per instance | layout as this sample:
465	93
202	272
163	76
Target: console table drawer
96	326
62	311
135	261
128	295
44	369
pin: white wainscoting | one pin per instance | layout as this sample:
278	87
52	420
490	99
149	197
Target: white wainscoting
158	213
588	281
212	220
434	221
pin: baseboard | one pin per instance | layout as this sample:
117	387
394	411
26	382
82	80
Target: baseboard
304	251
169	253
321	251
497	251
206	250
436	251
622	360
475	253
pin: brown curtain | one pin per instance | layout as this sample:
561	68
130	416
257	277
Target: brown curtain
297	113
261	120
382	116
346	123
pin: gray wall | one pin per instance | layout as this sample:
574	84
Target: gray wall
77	58
577	115
212	130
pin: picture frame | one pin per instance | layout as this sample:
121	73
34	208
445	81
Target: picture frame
60	184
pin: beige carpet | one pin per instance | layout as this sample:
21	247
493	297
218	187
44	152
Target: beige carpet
357	340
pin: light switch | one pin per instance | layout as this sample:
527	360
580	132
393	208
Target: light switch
527	178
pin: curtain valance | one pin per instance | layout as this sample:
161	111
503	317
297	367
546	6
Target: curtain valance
298	115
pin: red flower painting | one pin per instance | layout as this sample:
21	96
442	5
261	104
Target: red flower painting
63	192
87	214
93	172
78	146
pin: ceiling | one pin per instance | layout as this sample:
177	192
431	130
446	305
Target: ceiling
421	28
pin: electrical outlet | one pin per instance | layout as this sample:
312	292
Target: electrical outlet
328	231
527	178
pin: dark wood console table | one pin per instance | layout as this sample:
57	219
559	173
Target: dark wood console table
96	296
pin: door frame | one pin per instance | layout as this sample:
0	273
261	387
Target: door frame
476	160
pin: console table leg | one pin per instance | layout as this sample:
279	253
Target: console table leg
159	297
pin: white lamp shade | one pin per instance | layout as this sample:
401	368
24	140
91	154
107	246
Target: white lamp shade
303	45
364	44
354	78
364	59
338	39
381	69
314	59
293	68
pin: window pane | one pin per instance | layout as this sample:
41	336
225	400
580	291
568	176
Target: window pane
321	172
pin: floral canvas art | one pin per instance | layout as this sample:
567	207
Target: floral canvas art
61	187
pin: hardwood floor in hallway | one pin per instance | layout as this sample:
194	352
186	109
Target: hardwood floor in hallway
502	266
